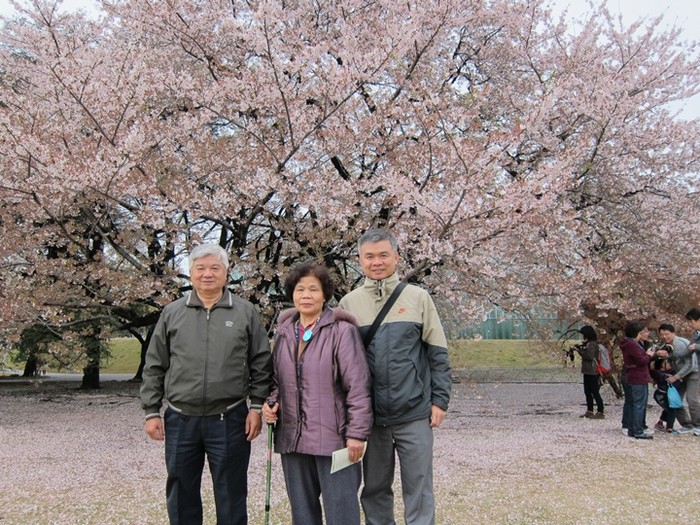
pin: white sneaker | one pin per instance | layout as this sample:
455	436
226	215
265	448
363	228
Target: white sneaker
696	431
684	430
624	431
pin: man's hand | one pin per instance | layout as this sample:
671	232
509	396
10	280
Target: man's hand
355	449
671	379
437	416
253	424
154	428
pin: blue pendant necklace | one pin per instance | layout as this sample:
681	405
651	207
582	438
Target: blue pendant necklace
306	333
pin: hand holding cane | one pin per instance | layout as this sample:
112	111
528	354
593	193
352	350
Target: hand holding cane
270	434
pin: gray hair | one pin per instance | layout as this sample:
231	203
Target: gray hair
377	235
205	250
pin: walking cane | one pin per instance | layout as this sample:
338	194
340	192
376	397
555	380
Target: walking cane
270	433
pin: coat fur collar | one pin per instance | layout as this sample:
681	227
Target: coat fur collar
328	316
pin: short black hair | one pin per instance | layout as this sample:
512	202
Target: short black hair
693	314
667	327
633	328
306	270
588	333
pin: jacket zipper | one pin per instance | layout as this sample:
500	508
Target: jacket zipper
297	368
206	356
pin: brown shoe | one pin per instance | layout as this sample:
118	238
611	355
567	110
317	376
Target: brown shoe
588	415
599	415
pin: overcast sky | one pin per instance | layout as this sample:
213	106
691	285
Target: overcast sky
681	13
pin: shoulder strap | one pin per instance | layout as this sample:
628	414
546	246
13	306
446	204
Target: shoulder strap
367	339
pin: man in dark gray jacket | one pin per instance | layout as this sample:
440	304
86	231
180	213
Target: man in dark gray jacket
411	385
208	355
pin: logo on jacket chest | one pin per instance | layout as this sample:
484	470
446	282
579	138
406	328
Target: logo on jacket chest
229	324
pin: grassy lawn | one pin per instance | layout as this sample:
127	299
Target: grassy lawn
469	353
504	353
464	353
125	356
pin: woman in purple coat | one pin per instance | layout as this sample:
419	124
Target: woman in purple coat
320	400
636	361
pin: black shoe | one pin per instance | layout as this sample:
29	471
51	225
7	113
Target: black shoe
644	436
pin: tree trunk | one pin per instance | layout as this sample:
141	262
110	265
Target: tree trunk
91	372
91	377
144	348
31	366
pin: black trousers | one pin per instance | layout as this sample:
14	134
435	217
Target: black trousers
591	388
221	438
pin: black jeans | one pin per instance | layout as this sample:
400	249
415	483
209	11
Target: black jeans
591	388
222	439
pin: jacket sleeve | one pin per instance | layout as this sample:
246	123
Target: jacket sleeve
686	357
155	368
259	360
588	353
435	345
274	395
354	377
637	357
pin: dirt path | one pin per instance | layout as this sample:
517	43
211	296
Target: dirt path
507	454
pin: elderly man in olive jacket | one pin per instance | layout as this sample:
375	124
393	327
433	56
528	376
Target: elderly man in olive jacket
208	356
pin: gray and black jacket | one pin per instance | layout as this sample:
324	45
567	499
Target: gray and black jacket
205	362
408	356
683	360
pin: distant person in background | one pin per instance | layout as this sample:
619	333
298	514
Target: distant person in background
636	362
693	316
660	369
685	378
643	340
589	351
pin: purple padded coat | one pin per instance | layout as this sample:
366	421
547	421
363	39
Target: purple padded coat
325	397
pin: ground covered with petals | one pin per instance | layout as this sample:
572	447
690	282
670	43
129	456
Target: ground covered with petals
507	454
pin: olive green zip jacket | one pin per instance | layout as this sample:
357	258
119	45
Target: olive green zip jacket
205	362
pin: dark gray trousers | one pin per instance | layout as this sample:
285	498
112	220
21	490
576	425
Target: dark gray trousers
308	478
413	443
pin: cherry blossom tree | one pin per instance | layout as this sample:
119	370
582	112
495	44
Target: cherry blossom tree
519	162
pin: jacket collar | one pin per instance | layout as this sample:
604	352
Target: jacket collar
383	288
226	301
291	315
328	316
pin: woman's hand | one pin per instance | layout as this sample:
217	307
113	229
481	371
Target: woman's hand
269	413
356	449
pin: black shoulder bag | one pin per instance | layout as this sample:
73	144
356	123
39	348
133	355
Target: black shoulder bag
367	339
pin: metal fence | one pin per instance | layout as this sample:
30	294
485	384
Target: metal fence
504	325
